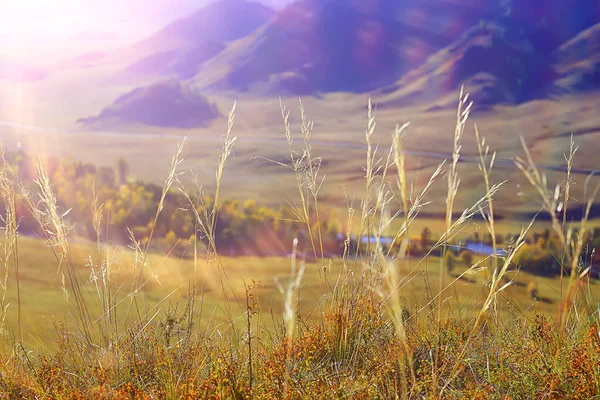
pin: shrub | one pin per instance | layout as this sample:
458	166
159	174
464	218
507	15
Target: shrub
532	256
466	256
532	290
449	261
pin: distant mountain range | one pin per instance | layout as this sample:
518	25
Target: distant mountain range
316	46
403	52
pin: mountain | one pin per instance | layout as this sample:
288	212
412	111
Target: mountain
179	64
223	20
492	69
579	62
180	48
277	4
329	45
173	54
168	104
403	52
549	24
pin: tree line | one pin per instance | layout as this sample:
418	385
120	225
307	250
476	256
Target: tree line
128	208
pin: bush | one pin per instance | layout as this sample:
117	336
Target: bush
532	290
532	256
449	261
466	256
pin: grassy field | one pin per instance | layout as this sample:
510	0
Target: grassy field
108	322
203	367
169	279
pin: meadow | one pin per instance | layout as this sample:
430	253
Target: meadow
338	138
43	303
99	319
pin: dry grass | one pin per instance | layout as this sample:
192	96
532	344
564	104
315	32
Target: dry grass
342	328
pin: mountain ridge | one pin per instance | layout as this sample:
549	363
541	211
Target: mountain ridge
417	52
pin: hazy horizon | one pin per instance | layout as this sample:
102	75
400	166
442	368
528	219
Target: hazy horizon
31	30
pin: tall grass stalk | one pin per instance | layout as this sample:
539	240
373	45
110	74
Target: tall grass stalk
494	290
400	161
571	243
205	218
101	277
52	221
10	250
462	114
391	271
565	206
10	185
228	144
289	292
172	177
306	169
486	164
141	252
371	169
314	165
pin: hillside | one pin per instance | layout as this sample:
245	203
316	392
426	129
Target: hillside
179	64
223	20
337	46
182	46
493	70
579	62
168	104
549	26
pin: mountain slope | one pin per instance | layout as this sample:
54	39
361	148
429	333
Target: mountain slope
339	45
168	104
548	24
221	21
177	64
579	62
179	49
493	70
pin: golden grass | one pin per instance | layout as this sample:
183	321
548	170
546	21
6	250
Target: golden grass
369	323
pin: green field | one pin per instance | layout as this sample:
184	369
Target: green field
169	279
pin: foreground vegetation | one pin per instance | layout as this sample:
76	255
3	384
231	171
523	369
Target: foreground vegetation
380	321
43	303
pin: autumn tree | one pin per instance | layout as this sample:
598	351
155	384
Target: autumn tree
424	240
122	171
449	261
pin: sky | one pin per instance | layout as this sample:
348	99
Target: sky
57	27
29	20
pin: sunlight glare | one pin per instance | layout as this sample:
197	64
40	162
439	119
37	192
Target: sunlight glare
26	20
